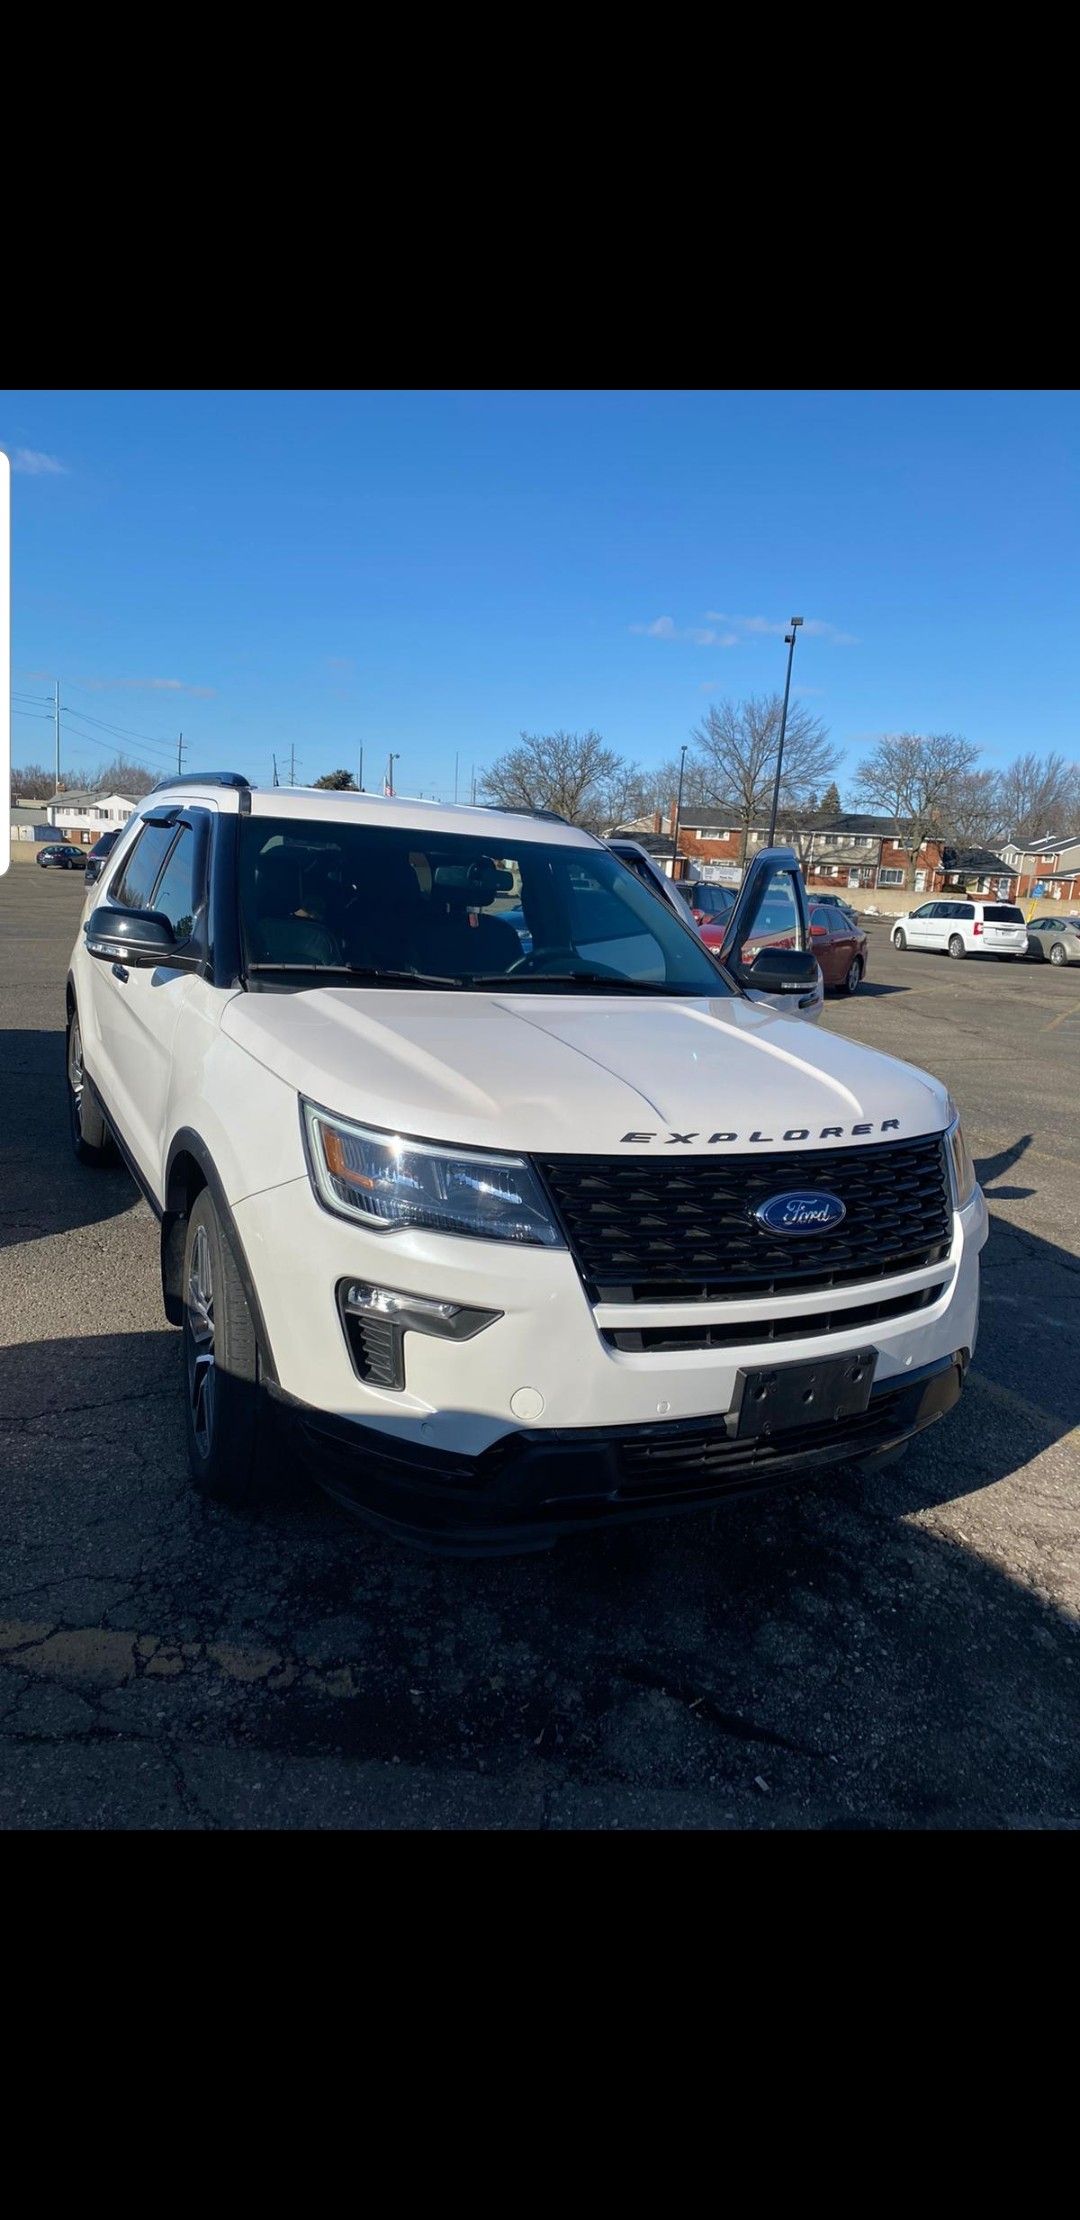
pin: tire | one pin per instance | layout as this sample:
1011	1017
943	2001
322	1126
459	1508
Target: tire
957	948
899	940
1058	954
91	1141
229	1425
854	978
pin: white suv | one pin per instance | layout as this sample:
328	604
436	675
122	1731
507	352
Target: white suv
955	927
509	1241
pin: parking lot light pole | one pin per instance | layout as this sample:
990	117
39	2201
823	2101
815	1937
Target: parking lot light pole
678	815
789	643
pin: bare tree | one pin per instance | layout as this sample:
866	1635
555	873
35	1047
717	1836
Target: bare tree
1039	795
912	778
975	809
735	751
33	783
121	777
572	773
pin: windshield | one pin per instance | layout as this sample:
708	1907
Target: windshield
377	903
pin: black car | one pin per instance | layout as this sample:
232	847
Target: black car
99	856
61	856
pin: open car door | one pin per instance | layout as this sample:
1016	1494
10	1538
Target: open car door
771	913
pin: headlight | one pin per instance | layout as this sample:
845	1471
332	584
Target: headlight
963	1170
388	1182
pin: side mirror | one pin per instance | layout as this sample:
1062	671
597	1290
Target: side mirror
782	971
137	937
93	872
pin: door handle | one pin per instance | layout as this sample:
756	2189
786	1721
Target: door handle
119	972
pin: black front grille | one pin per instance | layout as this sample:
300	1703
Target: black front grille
703	1458
666	1229
721	1334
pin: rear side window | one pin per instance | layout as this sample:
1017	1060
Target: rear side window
174	894
1003	913
136	882
963	909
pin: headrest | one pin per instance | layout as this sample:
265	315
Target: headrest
475	884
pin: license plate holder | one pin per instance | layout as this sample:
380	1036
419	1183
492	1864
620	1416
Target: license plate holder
779	1397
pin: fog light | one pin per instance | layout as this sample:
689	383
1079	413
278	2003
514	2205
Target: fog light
377	1319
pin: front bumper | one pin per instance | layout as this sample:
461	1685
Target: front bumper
551	1389
535	1484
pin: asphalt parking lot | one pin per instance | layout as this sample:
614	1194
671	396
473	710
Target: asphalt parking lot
901	1651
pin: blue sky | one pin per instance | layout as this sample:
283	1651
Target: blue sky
433	572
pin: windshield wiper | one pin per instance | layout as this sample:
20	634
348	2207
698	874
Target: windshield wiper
363	971
580	979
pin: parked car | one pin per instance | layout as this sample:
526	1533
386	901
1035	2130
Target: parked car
835	902
960	928
840	946
711	906
1054	939
99	855
60	855
507	1245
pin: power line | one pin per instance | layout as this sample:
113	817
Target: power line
124	732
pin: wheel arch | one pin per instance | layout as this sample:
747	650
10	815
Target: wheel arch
189	1169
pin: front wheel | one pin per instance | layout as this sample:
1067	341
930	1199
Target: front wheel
899	940
1058	954
854	977
91	1141
956	948
230	1430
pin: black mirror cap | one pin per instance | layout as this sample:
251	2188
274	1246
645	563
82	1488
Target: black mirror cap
130	936
782	971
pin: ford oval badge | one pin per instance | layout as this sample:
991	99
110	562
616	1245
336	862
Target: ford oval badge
804	1210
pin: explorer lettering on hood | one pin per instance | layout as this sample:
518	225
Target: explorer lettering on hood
793	1133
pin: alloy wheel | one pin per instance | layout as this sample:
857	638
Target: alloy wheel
1057	955
854	975
200	1348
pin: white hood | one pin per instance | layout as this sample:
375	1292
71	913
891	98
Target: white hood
584	1074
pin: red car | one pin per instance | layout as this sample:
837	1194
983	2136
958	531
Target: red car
840	947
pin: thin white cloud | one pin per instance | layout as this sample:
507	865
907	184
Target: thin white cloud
665	628
33	464
146	686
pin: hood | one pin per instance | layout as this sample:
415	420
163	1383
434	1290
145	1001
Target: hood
585	1075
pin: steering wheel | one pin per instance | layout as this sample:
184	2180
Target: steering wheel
549	959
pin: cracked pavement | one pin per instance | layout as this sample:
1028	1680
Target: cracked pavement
902	1651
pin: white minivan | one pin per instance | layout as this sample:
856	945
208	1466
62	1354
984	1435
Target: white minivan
960	928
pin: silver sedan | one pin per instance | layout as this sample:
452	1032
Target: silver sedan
1054	940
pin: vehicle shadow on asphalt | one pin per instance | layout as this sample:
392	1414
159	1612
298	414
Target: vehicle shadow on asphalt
990	1169
34	1134
831	1655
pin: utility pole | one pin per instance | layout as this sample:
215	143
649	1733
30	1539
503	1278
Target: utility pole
678	815
360	780
789	643
473	776
277	781
292	764
56	734
455	777
180	756
390	762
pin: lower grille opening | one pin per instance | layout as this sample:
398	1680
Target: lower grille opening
376	1346
722	1334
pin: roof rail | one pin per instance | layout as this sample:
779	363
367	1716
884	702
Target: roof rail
508	809
203	778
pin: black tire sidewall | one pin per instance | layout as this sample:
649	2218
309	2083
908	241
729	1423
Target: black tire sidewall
237	1468
98	1157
